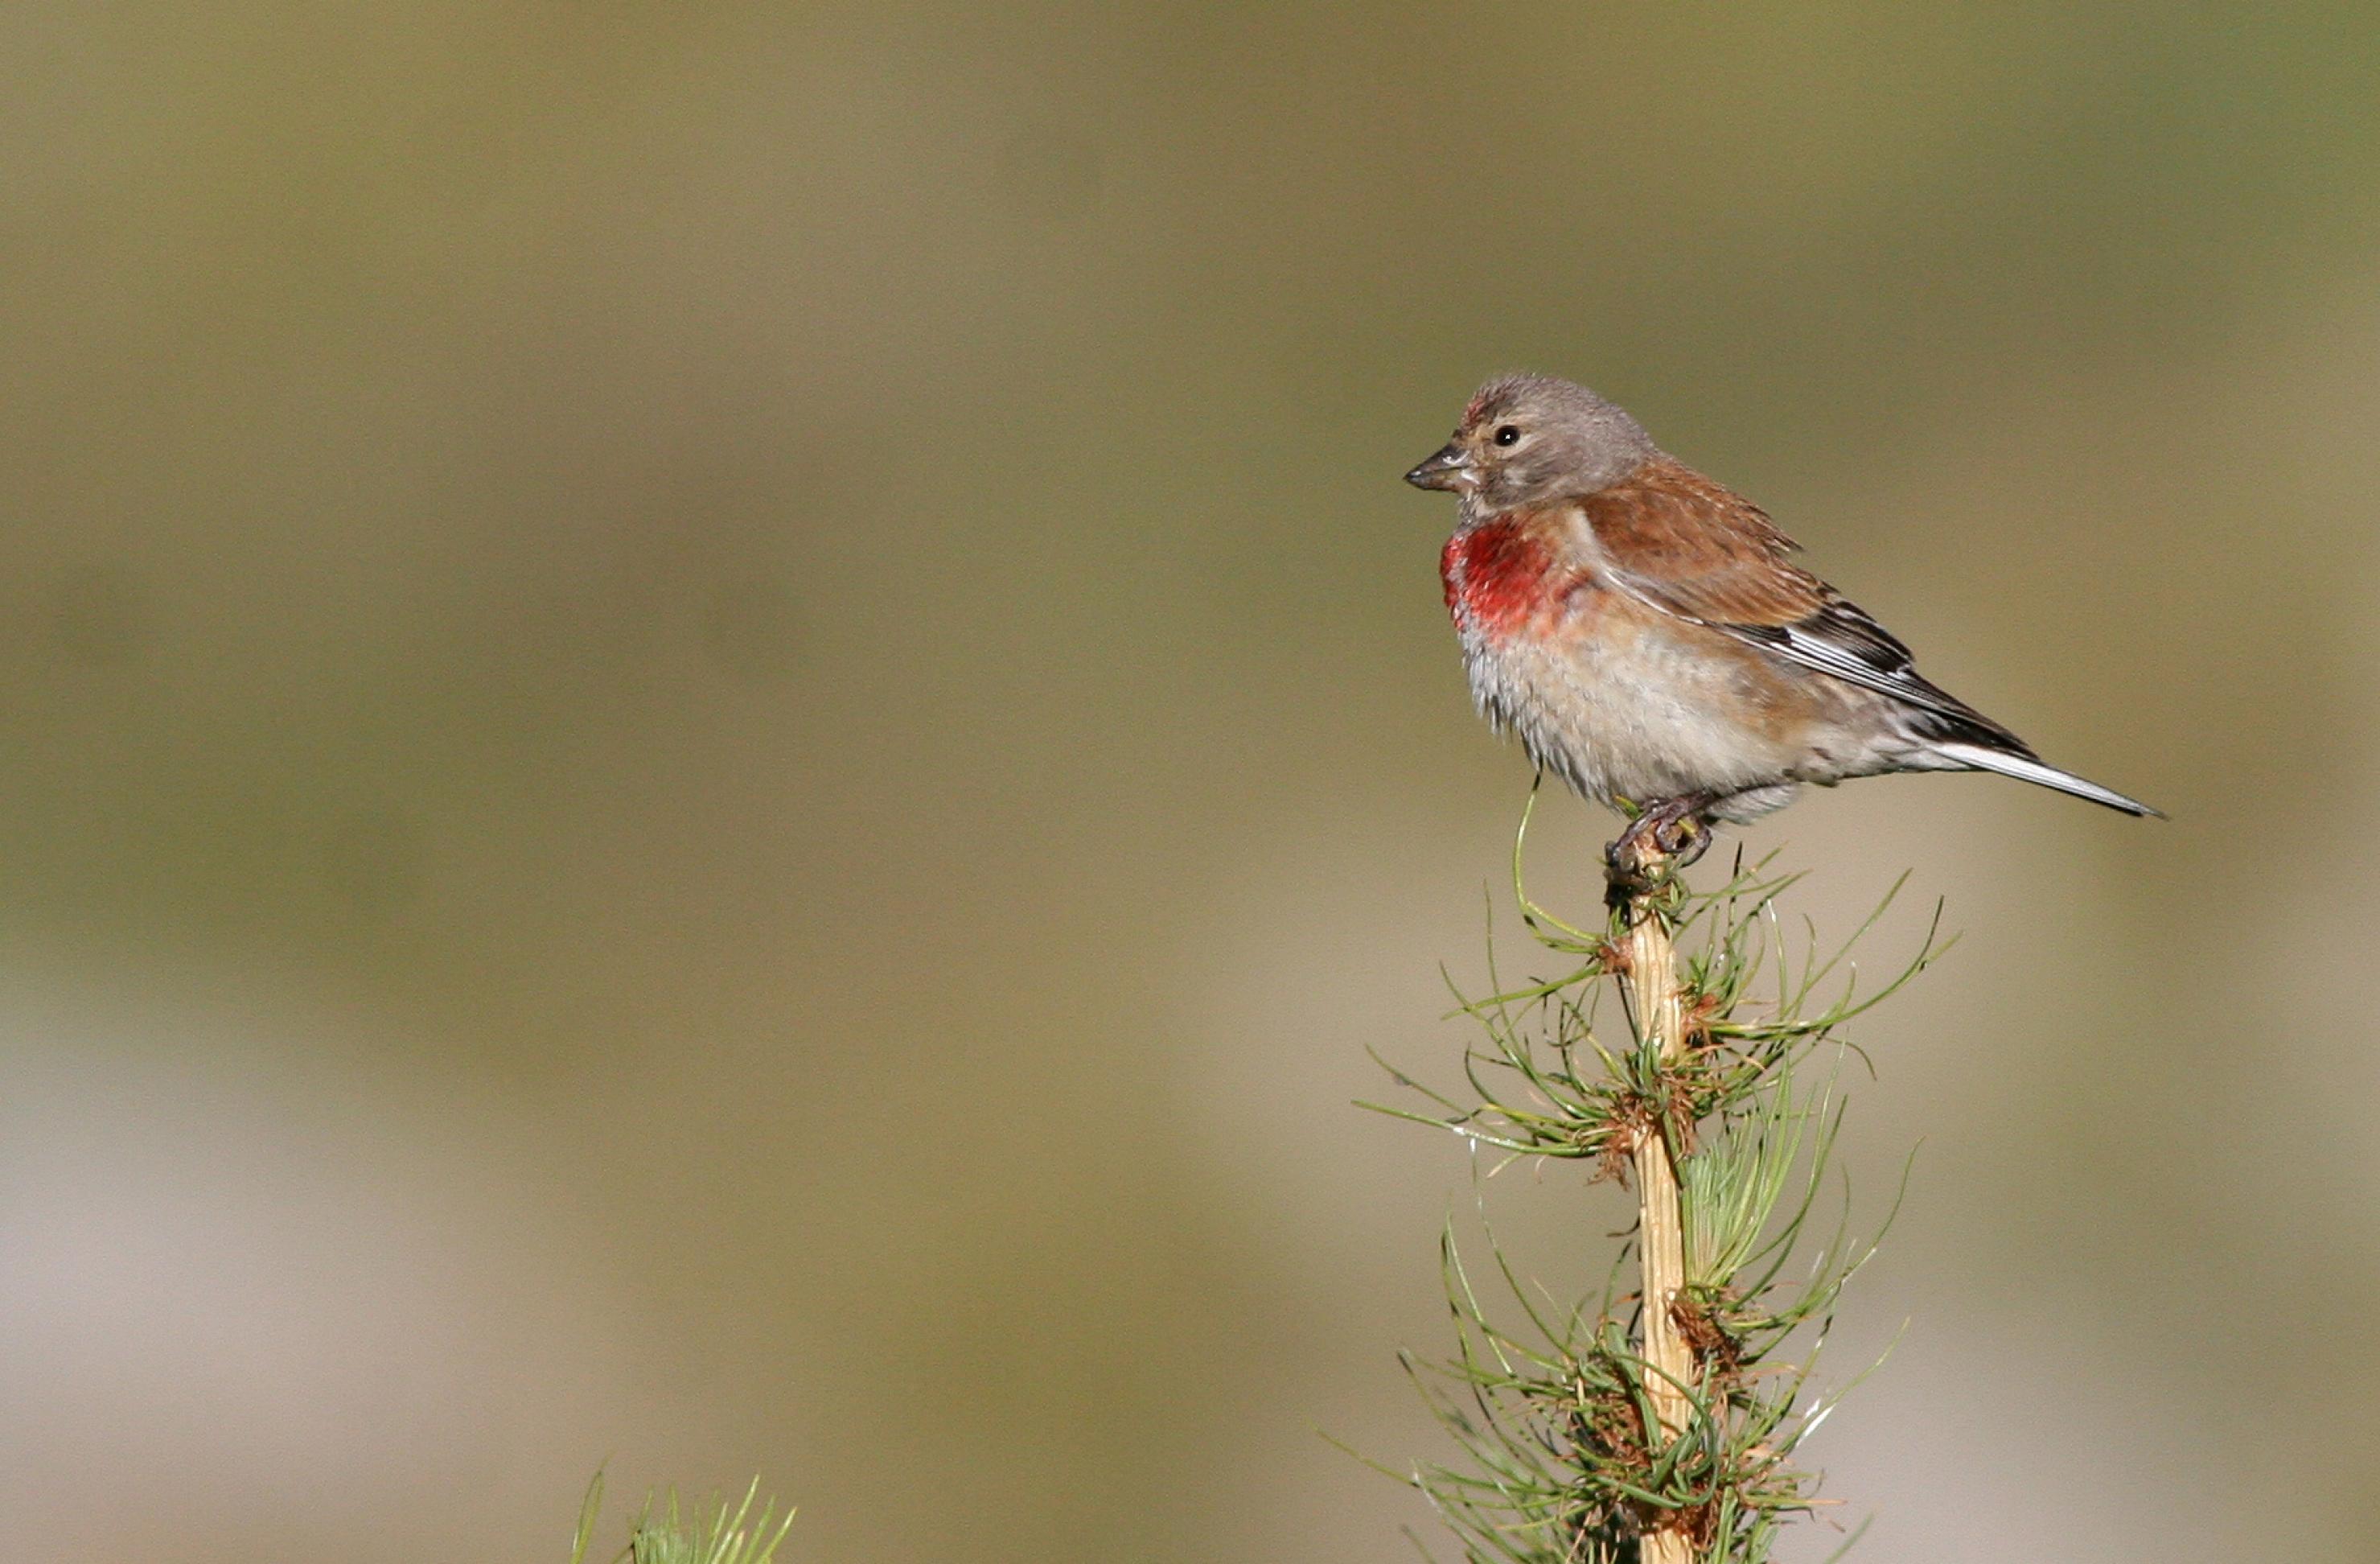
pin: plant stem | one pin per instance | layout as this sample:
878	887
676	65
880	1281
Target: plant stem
1658	1008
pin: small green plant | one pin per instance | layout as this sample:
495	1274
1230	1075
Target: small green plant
1608	1431
715	1537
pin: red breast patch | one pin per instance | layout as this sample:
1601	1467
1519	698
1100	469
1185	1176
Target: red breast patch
1496	573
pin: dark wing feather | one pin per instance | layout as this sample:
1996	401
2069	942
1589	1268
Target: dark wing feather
1693	548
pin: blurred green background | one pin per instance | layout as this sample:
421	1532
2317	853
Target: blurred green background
722	727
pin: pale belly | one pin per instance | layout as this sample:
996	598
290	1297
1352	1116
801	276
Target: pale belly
1645	710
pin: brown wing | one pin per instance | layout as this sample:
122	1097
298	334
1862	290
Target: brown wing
1696	549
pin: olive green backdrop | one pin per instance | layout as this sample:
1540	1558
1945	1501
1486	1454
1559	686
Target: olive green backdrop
720	728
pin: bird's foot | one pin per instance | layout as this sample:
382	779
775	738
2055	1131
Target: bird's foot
1670	835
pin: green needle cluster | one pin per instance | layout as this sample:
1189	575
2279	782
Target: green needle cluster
714	1536
1563	1458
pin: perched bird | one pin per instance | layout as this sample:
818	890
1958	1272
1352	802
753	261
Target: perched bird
1643	630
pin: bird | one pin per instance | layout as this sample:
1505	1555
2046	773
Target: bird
1646	633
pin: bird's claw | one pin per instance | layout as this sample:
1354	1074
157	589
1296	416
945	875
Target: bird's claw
1658	843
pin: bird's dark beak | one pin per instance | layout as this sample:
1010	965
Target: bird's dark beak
1449	470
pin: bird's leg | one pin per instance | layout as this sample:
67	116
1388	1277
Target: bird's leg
1686	832
1672	831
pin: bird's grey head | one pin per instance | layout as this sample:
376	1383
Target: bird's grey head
1530	439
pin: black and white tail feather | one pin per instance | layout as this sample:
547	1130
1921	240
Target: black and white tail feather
1863	652
2025	768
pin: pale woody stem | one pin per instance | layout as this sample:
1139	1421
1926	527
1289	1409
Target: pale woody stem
1659	1008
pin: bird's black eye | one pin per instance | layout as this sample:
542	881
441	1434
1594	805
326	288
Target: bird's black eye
1506	433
